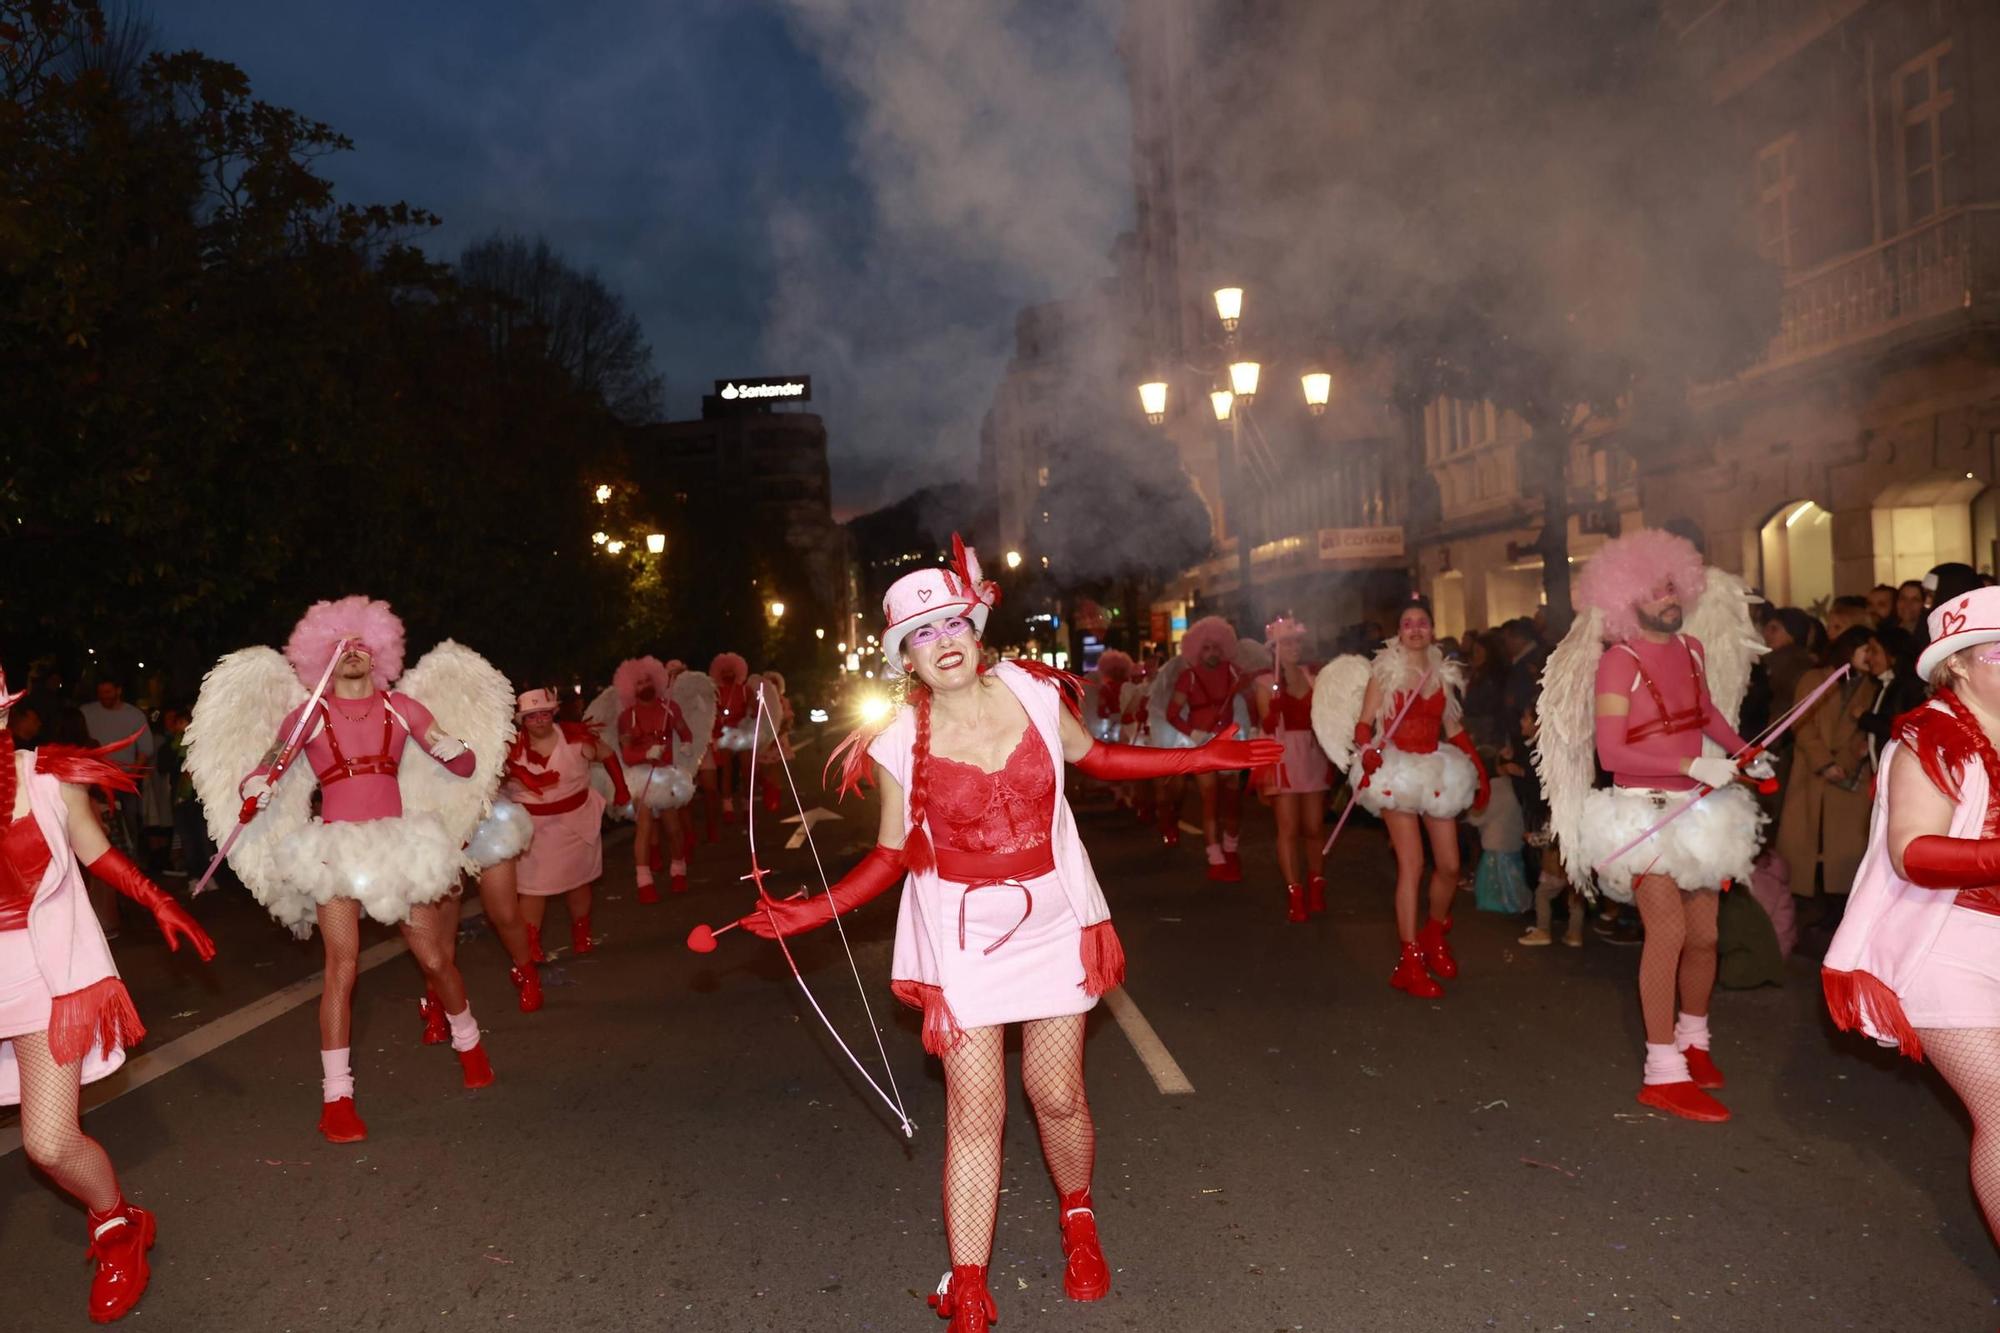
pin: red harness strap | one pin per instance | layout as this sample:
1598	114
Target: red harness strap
1665	721
342	767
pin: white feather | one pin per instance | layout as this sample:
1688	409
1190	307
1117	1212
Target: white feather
1438	785
695	693
1566	742
1714	842
385	864
1337	695
473	702
1729	640
503	835
233	726
602	714
1166	736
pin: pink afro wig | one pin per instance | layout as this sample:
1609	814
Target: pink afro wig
675	666
1114	665
728	668
634	674
327	623
1625	572
1207	630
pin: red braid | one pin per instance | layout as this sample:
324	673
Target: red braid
1988	757
917	852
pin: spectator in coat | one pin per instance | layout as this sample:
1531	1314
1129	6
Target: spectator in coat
1824	829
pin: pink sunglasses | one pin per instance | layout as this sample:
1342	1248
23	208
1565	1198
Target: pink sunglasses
943	629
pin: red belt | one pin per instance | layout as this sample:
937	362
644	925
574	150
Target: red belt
370	765
994	870
573	801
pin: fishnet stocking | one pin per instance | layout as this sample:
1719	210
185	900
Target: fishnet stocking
429	934
975	1090
1969	1059
1052	1074
340	938
50	1133
1679	953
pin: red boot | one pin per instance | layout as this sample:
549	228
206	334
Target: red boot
1437	949
478	1070
579	936
119	1240
1223	872
1701	1068
535	954
1086	1277
1410	975
678	883
962	1297
647	892
436	1030
527	979
1316	894
1684	1100
1295	904
340	1123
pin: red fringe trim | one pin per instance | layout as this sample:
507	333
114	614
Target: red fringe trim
857	770
1067	684
90	768
100	1015
1103	960
941	1030
1851	994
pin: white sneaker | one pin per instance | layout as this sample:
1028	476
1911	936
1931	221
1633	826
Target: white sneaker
1535	938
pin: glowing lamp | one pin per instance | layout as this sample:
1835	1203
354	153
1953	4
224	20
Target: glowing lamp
1153	399
1222	401
1229	307
656	542
1319	389
1243	379
1013	559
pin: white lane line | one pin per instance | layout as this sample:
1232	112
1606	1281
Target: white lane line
143	1068
1152	1052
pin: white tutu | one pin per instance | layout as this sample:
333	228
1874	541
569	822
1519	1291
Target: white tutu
1106	729
387	865
660	787
1440	785
503	835
1715	841
739	737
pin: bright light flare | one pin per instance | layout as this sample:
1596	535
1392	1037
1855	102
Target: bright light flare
1223	402
603	494
1229	307
1243	379
1013	559
1153	400
1318	385
656	542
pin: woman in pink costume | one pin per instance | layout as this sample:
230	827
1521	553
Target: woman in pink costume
649	723
1651	707
1916	961
1002	920
1297	783
1202	703
548	775
774	738
734	705
65	1017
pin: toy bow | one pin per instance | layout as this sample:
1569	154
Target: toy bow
1353	797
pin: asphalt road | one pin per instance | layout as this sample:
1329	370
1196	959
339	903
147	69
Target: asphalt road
676	1143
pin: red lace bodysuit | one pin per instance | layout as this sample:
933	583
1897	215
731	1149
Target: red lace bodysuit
24	859
1421	727
993	829
1294	712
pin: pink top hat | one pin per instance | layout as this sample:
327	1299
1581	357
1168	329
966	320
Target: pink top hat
536	701
931	595
1963	622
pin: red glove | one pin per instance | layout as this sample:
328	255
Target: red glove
1938	862
620	793
1116	763
116	869
878	870
1464	742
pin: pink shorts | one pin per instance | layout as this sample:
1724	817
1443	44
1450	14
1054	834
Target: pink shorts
1958	985
24	995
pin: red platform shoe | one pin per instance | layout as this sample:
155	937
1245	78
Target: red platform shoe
1086	1277
1224	873
1295	904
962	1297
1316	894
1701	1068
648	892
678	883
535	954
1410	975
1437	949
1170	835
478	1070
119	1240
1684	1100
436	1030
579	936
340	1123
527	979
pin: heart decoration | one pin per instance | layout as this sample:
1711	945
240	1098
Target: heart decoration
1954	621
923	594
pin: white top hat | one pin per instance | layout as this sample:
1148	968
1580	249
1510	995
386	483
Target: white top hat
931	595
1963	622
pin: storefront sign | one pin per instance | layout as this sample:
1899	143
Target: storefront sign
766	390
1362	544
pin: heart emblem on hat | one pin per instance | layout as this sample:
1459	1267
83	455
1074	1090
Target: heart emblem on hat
923	594
1953	621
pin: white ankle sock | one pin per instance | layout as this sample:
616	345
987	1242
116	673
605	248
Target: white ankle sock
464	1029
677	868
336	1079
1215	857
645	875
1229	843
1691	1031
1665	1064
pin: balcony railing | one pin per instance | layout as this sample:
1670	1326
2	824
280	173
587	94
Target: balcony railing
1947	265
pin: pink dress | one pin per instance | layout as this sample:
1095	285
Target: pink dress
568	850
1305	768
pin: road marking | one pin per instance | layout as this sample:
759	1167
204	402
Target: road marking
1195	829
805	821
1152	1052
143	1068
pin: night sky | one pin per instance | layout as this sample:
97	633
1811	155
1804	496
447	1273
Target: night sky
721	163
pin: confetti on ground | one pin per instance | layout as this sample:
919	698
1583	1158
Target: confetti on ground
1501	1102
1548	1166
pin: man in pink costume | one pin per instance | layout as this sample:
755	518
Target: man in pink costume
1652	706
65	1017
1203	703
649	723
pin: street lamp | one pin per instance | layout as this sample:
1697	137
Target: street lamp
1014	557
1319	388
819	634
614	546
603	494
1153	399
777	610
656	542
1243	379
1223	402
599	538
1229	307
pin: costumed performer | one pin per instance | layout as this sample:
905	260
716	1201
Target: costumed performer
65	1017
1296	784
1201	701
493	849
548	775
773	735
649	724
1002	919
731	735
1105	707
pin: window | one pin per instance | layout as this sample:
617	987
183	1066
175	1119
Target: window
1777	182
1924	100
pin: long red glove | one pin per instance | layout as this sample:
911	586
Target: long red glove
1117	763
116	869
1938	862
1464	742
878	870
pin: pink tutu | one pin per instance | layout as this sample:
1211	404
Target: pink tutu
1304	769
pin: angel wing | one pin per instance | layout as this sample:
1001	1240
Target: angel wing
1566	737
470	700
234	725
1337	694
1729	640
695	693
602	714
1166	736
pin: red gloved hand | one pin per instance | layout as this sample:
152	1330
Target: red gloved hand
1939	862
1118	763
621	794
116	869
1370	761
878	870
1464	742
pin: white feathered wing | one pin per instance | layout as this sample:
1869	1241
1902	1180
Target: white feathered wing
1729	641
695	693
602	714
1166	736
472	701
234	724
1338	693
1566	741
